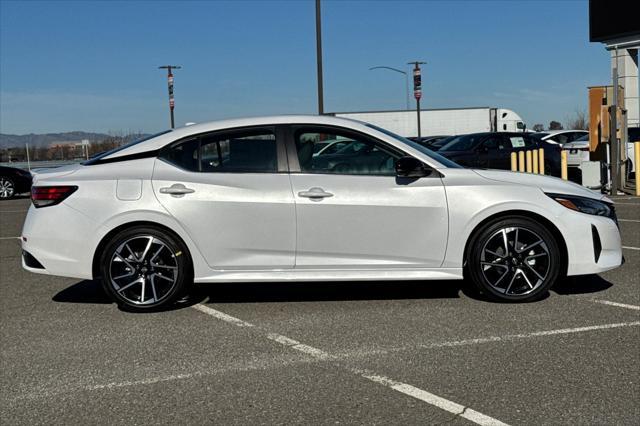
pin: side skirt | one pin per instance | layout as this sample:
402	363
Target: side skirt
333	275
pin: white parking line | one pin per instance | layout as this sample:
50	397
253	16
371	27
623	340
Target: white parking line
628	204
432	399
619	305
405	388
631	248
422	395
13	211
9	238
222	316
628	220
504	338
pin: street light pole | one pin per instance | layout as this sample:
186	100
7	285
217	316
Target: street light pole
417	89
170	84
319	57
406	79
613	129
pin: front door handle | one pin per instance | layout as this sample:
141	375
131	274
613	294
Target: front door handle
315	194
177	190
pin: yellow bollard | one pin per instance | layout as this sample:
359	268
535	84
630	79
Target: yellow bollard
521	161
541	158
529	168
535	161
514	162
563	165
636	163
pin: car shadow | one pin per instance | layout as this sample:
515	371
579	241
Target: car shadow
87	291
18	197
582	284
91	291
330	291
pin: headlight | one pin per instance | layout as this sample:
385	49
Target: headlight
583	205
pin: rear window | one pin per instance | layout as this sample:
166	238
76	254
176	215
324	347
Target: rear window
96	159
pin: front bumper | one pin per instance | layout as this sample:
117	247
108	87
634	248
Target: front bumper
593	244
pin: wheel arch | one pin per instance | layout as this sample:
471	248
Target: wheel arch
95	265
526	214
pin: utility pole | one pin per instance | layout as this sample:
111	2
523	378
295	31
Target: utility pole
613	129
170	83
417	89
28	161
319	57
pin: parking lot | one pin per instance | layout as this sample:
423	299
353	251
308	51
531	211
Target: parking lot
367	353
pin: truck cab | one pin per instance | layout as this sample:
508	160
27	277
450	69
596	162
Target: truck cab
506	120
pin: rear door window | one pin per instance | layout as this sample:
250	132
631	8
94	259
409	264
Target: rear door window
242	151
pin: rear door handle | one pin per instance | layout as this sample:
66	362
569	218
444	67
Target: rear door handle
177	190
315	194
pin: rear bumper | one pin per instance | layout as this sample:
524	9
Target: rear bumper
59	241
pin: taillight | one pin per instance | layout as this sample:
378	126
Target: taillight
43	196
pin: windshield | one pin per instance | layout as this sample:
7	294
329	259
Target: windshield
463	143
437	157
442	142
100	156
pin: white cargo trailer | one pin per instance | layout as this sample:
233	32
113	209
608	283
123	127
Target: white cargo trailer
451	121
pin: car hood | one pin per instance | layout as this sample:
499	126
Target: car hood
545	183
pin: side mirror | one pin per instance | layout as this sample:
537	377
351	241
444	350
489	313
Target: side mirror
412	168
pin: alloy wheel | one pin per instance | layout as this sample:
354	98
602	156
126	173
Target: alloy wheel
143	270
515	261
6	188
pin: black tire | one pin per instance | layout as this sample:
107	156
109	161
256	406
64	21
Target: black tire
529	272
7	188
166	272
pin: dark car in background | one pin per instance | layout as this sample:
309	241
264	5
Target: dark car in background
434	143
13	181
492	150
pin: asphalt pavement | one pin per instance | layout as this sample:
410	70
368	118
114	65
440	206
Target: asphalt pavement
321	353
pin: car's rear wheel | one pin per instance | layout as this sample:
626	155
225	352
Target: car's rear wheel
7	187
514	259
145	268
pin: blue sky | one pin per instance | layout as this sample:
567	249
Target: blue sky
93	65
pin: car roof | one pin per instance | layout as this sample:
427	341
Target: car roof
210	126
155	143
557	132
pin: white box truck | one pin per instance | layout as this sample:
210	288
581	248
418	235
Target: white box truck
449	121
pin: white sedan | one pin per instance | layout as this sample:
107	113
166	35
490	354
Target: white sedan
561	137
246	200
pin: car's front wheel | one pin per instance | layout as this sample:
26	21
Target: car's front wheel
514	259
145	268
7	188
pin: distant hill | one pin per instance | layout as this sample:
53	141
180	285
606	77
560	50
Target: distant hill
43	140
